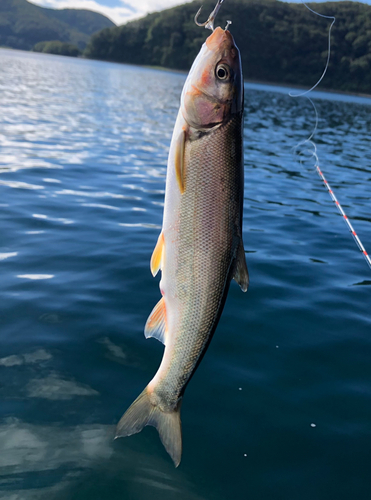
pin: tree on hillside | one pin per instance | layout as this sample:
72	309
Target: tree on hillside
278	41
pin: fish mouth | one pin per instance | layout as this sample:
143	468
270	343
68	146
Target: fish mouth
221	42
208	99
220	39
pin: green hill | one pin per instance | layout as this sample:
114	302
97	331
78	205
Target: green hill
23	24
58	48
279	42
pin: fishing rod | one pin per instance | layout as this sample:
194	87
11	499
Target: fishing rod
312	144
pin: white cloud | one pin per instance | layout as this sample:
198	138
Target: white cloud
40	462
54	451
6	255
36	276
56	388
28	358
130	9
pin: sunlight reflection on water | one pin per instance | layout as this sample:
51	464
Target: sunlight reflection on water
75	245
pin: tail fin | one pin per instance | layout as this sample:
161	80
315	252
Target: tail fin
142	412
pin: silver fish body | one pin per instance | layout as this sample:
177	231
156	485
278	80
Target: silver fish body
205	239
200	247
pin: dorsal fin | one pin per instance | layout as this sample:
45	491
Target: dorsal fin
179	160
241	274
156	323
156	259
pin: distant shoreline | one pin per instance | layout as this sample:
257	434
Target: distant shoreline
258	82
184	72
317	89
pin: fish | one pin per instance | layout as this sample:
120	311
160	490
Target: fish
200	248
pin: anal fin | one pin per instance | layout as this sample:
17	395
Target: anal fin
156	259
156	323
241	274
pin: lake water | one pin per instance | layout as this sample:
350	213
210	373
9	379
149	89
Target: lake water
280	407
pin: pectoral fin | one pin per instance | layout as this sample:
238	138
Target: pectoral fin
179	160
156	323
241	274
156	259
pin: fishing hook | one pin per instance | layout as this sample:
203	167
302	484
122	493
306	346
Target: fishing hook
209	24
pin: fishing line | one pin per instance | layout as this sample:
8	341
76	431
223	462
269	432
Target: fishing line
311	150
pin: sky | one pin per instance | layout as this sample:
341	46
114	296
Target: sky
119	11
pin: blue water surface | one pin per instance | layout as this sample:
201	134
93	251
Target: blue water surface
280	408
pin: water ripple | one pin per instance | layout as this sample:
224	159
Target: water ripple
7	255
36	276
75	245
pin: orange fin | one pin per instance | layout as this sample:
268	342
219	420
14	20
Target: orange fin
156	259
179	160
156	323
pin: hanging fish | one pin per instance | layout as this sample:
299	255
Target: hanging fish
200	247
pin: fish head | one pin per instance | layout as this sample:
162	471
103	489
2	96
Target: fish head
213	91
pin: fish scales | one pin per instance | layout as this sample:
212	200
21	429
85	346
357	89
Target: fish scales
200	247
208	236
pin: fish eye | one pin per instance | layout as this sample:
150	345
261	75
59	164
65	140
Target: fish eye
222	72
